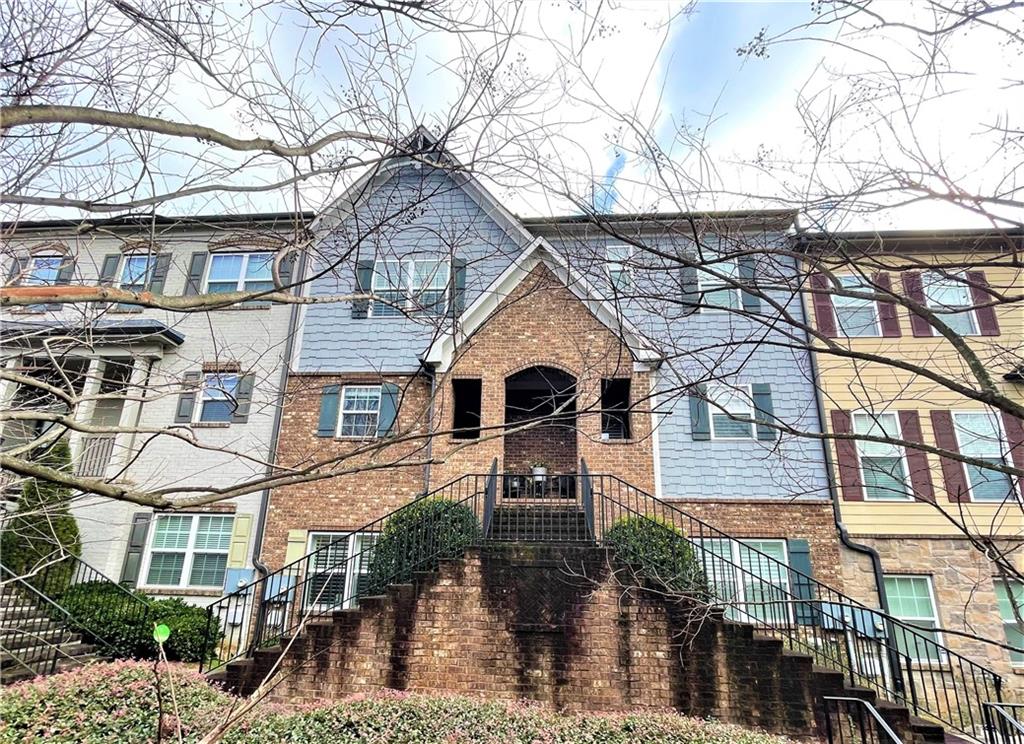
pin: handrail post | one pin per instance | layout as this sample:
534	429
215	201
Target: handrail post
588	497
490	490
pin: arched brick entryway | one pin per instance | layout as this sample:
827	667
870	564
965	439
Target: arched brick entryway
547	394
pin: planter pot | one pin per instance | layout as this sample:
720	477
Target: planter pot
539	474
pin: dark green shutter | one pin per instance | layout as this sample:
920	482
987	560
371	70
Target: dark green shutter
243	399
17	267
388	409
364	280
196	270
800	584
108	272
66	273
136	547
161	264
689	289
286	270
746	264
187	399
700	418
764	411
329	402
458	285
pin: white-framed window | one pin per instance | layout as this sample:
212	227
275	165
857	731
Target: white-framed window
883	466
42	270
855	316
337	567
979	435
412	285
912	598
240	272
360	411
717	294
731	409
948	293
1005	593
136	271
218	400
618	260
188	550
751	577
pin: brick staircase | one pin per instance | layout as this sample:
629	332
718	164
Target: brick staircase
552	623
32	643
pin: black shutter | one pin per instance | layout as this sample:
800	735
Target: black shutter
17	267
764	411
700	418
364	280
66	273
689	290
286	270
187	399
196	270
458	285
747	269
800	584
389	394
161	264
136	547
243	399
108	272
329	405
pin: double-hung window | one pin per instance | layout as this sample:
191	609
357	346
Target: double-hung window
411	285
136	271
979	436
719	292
620	272
1009	595
883	466
750	577
360	411
42	270
337	568
732	411
240	272
218	397
855	316
951	298
188	550
911	598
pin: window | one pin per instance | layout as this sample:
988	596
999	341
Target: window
466	399
338	568
911	599
360	410
1011	627
751	576
979	436
136	272
189	550
726	402
42	270
218	400
717	293
946	294
238	272
883	466
419	285
855	316
615	409
620	272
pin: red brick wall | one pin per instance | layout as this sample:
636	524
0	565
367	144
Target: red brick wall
555	445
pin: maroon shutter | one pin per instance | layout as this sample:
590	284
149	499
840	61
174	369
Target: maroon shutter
824	316
917	460
952	470
914	290
1014	428
988	325
847	458
887	317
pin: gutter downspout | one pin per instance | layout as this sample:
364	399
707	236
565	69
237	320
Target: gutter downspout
430	427
261	519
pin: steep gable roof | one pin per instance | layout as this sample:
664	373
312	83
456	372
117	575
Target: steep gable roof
442	351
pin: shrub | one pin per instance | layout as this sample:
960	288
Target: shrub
660	552
42	528
417	537
102	610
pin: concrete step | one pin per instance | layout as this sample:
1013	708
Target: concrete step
41	653
17	639
21	674
27	625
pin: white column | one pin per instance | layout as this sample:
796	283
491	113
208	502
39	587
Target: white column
83	411
131	411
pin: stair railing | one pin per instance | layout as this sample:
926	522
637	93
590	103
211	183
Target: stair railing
1003	723
856	721
756	588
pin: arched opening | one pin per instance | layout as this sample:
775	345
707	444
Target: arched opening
548	396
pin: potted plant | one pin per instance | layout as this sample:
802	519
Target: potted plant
539	468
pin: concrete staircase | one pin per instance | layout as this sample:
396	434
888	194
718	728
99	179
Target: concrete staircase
32	643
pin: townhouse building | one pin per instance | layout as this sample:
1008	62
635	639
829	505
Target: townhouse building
212	376
932	521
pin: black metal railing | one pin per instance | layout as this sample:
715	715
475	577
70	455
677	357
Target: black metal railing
850	720
64	602
750	582
1004	723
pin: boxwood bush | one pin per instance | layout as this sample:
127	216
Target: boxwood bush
117	702
659	552
416	538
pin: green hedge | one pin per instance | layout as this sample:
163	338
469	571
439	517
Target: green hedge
103	610
117	702
416	538
660	552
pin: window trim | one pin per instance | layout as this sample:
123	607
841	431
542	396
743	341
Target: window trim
622	264
341	411
189	551
407	272
930	582
1012	493
714	409
837	301
909	493
123	264
928	280
197	412
702	289
348	601
240	282
29	270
